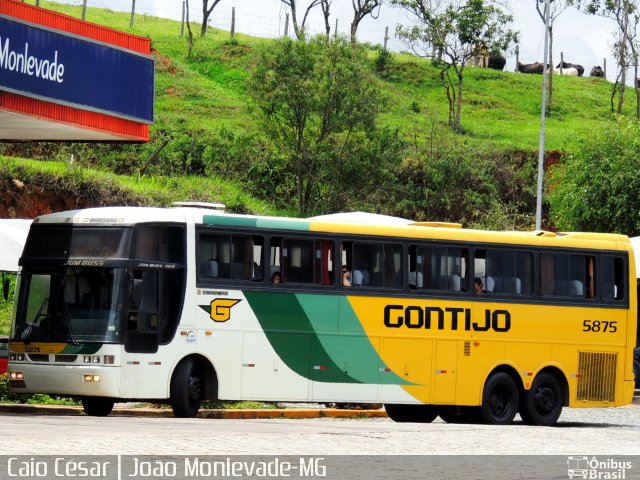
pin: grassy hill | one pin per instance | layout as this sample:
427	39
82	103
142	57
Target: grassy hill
197	98
207	91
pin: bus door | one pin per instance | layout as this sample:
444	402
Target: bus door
143	312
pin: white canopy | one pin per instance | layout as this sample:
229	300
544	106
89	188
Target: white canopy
635	243
13	235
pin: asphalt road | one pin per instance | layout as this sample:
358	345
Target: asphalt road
614	431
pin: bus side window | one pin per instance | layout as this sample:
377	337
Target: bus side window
612	278
566	275
507	271
439	268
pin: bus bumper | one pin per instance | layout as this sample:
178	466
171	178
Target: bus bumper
71	380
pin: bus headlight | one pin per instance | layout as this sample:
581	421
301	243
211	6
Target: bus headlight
16	376
92	378
16	357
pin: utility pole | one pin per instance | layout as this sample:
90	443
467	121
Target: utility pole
543	118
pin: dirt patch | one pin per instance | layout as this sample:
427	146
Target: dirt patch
164	63
22	200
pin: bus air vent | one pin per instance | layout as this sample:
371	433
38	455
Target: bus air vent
66	358
39	357
436	224
597	376
467	348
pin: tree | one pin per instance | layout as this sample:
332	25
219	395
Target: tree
299	29
597	188
326	7
556	7
206	13
315	98
190	40
362	8
625	49
460	30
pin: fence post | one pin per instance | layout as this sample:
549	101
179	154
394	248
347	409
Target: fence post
517	57
286	26
233	22
84	9
182	24
561	62
133	12
335	32
604	62
386	36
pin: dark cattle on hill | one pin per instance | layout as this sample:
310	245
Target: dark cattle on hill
497	62
597	72
530	67
580	68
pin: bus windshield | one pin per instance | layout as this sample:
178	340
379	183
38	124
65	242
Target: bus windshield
70	305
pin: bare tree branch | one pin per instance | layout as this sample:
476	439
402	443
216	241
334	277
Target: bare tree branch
206	13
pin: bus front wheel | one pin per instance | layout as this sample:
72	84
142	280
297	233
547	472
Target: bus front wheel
500	399
542	404
411	413
97	406
186	389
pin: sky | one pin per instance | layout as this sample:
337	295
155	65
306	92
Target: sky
583	39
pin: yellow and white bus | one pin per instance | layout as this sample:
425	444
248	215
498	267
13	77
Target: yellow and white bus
177	304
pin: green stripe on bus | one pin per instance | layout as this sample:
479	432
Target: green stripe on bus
347	343
294	339
255	222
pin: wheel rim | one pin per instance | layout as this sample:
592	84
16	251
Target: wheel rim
545	399
500	402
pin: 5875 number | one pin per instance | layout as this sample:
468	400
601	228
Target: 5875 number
599	326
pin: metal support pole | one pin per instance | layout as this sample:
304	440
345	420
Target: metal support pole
543	117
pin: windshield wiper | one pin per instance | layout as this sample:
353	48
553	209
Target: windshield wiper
67	320
28	331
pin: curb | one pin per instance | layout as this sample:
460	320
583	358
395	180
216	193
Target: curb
229	414
245	414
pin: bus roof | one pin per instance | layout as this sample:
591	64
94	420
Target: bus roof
345	223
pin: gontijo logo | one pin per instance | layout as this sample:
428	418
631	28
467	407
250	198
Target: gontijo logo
221	309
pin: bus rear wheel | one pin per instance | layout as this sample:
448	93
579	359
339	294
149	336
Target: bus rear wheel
411	413
542	404
500	399
186	389
97	406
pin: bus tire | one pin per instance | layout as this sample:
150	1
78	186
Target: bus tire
453	414
500	399
411	413
186	389
542	404
97	406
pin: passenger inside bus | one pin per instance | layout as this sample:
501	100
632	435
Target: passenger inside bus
346	276
478	288
275	278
